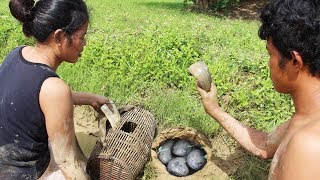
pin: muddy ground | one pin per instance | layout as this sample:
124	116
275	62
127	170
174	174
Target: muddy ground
246	10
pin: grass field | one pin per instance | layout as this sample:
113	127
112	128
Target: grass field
138	52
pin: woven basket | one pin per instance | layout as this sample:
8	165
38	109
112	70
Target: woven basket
127	149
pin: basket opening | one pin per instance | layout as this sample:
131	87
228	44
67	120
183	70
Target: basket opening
129	127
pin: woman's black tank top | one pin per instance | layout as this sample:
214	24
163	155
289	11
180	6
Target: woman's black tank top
24	152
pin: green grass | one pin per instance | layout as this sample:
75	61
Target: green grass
138	52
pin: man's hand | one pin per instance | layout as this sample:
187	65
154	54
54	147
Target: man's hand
209	99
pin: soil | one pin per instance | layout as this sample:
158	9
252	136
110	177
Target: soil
246	10
86	127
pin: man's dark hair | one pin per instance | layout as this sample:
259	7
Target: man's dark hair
294	25
42	18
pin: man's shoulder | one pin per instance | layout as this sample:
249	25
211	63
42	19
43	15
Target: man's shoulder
301	156
306	140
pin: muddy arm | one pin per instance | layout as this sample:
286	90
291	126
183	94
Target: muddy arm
57	105
259	143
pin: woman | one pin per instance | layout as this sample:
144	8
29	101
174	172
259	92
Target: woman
36	112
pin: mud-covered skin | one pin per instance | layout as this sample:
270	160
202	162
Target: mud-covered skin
67	157
165	151
178	167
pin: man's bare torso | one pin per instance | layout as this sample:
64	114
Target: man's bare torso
277	156
296	125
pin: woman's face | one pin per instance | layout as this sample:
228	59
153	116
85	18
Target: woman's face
74	46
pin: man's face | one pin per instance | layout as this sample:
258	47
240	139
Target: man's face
278	75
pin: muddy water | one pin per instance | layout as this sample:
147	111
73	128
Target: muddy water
86	142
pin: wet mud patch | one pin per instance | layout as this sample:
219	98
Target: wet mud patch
86	127
86	142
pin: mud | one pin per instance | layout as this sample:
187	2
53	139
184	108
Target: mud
86	127
86	142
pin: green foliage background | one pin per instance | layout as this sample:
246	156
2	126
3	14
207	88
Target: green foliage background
138	52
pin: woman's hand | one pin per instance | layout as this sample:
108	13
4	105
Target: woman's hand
209	99
98	101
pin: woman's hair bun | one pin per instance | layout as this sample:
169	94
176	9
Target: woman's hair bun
42	18
21	9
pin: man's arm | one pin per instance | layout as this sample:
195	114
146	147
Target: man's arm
300	159
259	143
57	105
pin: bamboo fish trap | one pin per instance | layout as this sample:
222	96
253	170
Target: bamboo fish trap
127	148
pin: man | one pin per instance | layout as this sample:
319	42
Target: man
291	29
